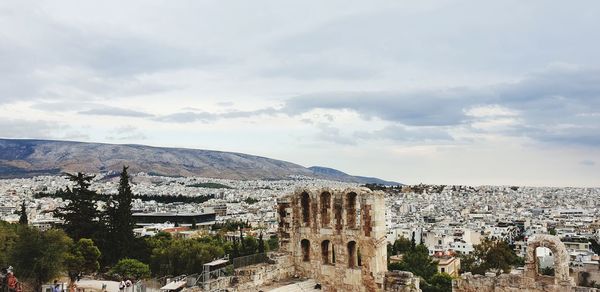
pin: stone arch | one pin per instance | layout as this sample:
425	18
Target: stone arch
305	207
325	208
561	258
305	247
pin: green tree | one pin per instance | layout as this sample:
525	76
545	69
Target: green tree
8	237
261	244
490	255
80	215
416	261
82	258
401	245
23	218
235	252
249	246
273	242
130	268
39	257
439	282
185	256
120	222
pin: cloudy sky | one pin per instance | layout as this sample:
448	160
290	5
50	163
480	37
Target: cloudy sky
452	92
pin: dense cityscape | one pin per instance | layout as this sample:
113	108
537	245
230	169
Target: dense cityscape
449	221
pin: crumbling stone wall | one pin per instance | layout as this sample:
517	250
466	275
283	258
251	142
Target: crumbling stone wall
530	280
399	281
338	238
248	278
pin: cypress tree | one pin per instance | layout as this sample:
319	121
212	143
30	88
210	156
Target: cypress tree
261	244
80	215
23	218
120	221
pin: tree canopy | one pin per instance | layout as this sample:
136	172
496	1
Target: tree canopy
490	256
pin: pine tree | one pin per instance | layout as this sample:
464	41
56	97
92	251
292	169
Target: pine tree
80	215
120	221
23	218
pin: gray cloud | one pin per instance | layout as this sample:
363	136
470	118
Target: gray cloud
434	108
559	105
556	106
405	134
115	111
187	117
587	162
205	117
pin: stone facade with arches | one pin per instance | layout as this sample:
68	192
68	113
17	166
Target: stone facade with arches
338	238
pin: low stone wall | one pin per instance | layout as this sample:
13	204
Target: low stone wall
511	283
251	277
399	281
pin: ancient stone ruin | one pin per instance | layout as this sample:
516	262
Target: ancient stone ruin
530	280
338	238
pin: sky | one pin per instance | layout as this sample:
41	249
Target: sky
443	92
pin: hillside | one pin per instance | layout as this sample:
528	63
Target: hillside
25	158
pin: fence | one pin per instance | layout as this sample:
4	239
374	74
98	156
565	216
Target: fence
249	260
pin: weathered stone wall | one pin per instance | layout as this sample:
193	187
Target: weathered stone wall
251	277
336	236
398	281
511	283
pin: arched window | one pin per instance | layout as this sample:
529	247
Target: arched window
351	210
305	245
325	207
325	253
305	206
352	257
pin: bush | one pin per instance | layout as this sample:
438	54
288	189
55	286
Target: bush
130	268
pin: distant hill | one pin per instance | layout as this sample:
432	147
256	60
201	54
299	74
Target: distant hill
26	158
335	174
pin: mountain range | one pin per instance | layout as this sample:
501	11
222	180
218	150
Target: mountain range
27	157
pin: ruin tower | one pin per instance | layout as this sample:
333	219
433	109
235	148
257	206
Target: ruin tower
336	236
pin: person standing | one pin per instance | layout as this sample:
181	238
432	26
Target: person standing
129	285
56	287
11	281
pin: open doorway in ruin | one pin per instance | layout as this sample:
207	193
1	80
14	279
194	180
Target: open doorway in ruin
352	255
326	252
545	261
305	246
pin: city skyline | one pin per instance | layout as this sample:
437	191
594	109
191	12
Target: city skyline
487	94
